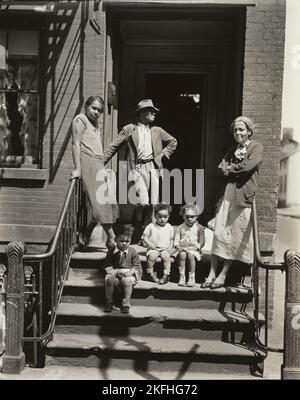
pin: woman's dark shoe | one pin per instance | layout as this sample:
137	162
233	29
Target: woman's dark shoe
216	285
165	279
206	284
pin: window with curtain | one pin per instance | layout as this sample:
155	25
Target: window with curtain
19	97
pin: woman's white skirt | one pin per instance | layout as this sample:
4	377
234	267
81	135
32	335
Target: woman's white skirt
233	230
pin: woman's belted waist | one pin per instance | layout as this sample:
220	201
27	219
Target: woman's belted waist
145	161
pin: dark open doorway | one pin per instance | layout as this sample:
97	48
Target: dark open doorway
180	98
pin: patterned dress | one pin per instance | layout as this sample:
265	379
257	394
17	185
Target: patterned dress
188	238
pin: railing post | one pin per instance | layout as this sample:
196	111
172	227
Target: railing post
14	357
2	307
291	358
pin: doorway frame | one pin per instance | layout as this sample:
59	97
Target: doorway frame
210	70
208	131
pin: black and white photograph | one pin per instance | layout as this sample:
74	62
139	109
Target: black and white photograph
149	193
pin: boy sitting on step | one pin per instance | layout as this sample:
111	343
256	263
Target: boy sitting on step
123	269
159	237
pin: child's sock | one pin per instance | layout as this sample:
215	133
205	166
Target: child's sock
181	270
191	281
181	281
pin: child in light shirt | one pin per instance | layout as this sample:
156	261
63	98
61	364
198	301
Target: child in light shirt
159	238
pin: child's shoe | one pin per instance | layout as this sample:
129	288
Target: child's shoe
108	306
181	280
165	279
191	282
151	277
125	307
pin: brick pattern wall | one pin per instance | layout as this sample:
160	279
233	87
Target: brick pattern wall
74	70
262	98
262	101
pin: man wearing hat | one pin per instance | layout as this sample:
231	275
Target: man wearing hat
145	146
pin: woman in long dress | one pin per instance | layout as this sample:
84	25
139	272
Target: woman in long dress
89	165
233	228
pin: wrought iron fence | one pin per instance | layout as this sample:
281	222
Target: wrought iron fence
261	286
45	274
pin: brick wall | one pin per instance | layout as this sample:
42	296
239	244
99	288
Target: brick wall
262	100
262	97
74	70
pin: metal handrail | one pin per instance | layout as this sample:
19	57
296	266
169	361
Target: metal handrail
50	253
58	256
259	262
263	264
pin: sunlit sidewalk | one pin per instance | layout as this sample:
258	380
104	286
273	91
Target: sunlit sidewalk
291	211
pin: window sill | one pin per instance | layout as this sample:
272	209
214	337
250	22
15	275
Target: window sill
23	173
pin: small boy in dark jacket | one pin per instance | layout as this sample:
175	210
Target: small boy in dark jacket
123	269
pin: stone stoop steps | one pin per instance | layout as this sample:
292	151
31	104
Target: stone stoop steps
169	328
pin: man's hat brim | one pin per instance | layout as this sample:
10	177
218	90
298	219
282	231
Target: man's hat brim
149	107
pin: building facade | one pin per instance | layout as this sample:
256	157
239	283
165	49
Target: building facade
288	174
202	62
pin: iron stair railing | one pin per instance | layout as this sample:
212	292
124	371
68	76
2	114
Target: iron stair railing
41	299
260	263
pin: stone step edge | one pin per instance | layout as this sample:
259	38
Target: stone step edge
151	344
158	314
81	283
99	254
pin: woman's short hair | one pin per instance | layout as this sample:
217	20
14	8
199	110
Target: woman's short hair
190	206
91	99
247	121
